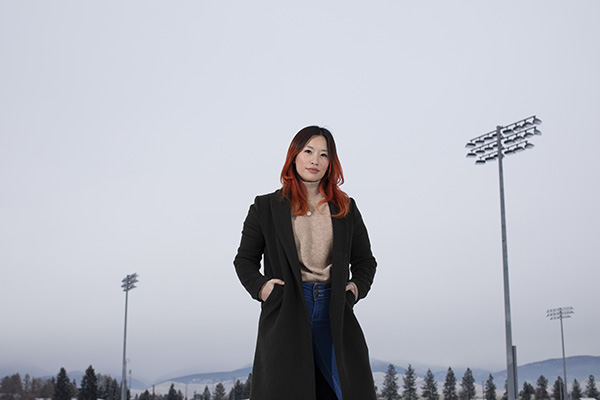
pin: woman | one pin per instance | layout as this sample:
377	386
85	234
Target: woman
317	265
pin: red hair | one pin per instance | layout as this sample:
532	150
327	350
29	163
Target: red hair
295	191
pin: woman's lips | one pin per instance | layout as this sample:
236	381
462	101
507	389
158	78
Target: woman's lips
313	170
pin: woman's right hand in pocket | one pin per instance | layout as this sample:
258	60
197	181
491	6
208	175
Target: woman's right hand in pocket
267	288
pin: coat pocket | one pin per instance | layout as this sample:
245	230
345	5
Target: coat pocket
274	297
350	299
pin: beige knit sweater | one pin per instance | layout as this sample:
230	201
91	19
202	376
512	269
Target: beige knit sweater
313	233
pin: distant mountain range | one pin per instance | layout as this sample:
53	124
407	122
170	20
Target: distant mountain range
238	374
578	367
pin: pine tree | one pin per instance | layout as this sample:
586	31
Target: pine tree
27	383
47	390
106	385
390	384
206	395
172	394
590	389
74	388
541	390
114	392
12	385
37	385
449	391
89	386
409	385
467	386
27	390
103	384
527	392
429	389
557	389
237	391
247	387
62	387
490	389
145	395
220	393
576	392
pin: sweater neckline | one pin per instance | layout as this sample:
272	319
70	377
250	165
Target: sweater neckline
312	189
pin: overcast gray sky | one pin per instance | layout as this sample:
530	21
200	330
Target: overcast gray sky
134	135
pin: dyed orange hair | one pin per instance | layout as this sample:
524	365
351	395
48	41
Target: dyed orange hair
295	191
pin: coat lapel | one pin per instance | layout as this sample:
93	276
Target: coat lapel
339	269
282	217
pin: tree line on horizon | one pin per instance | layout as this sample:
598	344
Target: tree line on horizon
102	387
97	386
429	389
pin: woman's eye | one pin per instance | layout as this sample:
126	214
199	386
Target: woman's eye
324	155
307	151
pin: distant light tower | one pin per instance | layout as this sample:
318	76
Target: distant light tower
505	140
128	284
560	313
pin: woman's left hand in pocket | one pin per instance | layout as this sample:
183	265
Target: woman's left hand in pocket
351	286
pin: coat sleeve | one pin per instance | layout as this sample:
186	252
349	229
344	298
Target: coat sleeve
249	255
362	262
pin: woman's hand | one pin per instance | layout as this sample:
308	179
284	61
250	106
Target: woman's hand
351	286
267	288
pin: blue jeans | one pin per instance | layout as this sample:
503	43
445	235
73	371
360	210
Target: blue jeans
317	297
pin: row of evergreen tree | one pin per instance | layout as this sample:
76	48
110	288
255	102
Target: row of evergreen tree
97	386
429	389
92	387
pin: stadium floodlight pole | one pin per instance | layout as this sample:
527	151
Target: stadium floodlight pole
561	313
128	284
505	140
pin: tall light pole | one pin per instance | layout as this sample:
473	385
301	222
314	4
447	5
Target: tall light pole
128	284
494	145
560	313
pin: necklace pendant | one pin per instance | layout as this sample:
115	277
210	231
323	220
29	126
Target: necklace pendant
309	213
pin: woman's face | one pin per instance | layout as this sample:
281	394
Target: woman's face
313	160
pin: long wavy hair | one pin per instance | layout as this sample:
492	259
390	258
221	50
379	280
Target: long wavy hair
295	191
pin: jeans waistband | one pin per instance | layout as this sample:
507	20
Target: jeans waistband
317	290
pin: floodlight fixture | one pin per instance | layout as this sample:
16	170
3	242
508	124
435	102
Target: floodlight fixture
501	140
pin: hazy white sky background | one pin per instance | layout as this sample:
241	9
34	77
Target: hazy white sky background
134	135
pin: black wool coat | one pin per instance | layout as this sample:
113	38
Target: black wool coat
283	362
